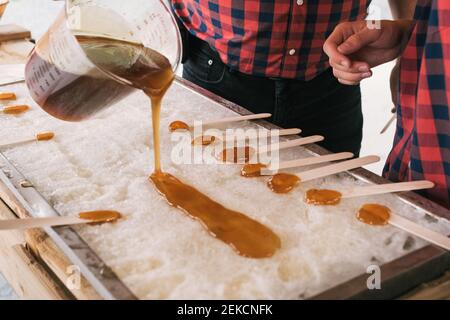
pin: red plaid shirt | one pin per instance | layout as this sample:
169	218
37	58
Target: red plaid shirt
422	143
270	38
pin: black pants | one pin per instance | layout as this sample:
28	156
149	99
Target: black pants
321	106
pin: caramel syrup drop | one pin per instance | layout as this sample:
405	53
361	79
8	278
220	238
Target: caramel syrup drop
248	237
45	136
374	214
203	141
323	197
283	182
100	216
237	154
15	109
252	170
178	125
7	96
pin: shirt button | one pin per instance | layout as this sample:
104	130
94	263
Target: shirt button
210	62
291	52
300	2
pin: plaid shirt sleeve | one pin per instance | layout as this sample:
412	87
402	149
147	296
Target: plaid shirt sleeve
422	143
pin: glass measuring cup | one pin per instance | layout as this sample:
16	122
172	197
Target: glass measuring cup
69	85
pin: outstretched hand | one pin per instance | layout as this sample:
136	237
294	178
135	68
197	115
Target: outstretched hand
354	48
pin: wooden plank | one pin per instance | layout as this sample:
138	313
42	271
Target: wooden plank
47	263
37	283
44	248
26	276
436	290
10	32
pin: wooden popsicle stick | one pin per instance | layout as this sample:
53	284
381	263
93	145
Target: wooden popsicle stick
40	222
9	82
234	119
281	133
420	231
284	132
211	139
388	124
278	146
337	168
292	143
310	161
42	136
387	188
100	216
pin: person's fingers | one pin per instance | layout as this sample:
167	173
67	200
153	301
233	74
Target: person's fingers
331	47
352	77
358	40
355	67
